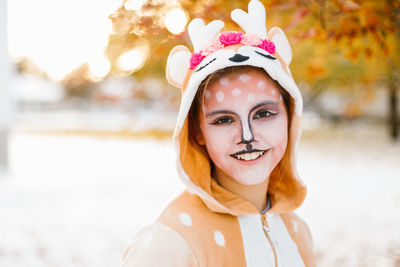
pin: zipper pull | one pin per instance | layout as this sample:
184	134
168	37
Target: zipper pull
264	221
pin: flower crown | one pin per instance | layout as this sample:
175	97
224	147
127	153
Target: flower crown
226	39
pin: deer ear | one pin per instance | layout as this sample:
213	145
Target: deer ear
253	21
201	34
178	63
282	46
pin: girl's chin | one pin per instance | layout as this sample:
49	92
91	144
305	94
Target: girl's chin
244	175
251	179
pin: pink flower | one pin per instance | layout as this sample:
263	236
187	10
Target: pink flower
230	38
251	39
212	47
195	59
267	46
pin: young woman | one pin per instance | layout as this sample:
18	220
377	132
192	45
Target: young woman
236	136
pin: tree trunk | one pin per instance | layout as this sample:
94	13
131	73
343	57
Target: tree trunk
393	105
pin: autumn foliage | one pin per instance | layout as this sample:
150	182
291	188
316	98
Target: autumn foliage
342	45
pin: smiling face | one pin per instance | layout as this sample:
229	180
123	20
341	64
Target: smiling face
243	124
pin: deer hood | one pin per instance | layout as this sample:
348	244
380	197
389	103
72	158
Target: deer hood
213	50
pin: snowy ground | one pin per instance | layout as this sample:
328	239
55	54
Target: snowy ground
76	201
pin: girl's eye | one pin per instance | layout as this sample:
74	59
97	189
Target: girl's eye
263	114
223	120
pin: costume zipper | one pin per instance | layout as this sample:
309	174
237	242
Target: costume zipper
266	231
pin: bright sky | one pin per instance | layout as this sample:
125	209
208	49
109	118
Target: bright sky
59	35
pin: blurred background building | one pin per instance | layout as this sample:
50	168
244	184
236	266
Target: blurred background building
5	96
86	114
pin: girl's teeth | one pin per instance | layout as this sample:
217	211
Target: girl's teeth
249	156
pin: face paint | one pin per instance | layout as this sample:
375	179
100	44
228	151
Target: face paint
244	78
247	135
208	94
273	92
261	85
249	148
244	139
251	97
224	81
220	96
236	92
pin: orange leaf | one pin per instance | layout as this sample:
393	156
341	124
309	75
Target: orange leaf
316	71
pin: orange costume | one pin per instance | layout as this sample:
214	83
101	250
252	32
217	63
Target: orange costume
207	225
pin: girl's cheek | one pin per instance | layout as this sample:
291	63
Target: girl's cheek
276	140
220	141
273	133
217	146
216	134
214	137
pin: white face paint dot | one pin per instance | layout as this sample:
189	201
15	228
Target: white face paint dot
220	96
251	97
244	78
224	81
236	92
261	85
219	238
208	94
280	97
185	219
273	92
294	225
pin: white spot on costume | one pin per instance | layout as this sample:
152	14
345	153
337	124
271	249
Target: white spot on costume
219	238
185	219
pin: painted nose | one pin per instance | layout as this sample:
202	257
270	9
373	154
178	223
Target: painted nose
247	135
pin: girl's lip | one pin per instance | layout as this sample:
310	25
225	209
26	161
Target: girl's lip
253	161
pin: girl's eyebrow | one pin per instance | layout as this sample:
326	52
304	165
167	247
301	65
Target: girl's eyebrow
224	111
265	103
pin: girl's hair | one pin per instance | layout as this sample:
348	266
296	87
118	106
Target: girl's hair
283	166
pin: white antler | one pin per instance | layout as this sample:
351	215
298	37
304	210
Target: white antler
201	35
254	21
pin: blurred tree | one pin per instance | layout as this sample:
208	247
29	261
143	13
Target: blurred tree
355	46
348	46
